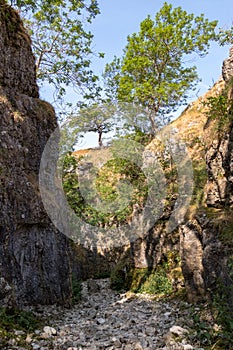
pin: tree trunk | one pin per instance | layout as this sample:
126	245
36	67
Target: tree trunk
100	133
154	127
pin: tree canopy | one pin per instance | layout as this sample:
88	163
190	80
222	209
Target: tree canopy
152	71
60	41
225	36
97	117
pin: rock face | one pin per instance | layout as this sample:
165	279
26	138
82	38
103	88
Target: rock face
227	68
191	251
207	242
150	251
204	242
219	167
17	66
34	258
217	231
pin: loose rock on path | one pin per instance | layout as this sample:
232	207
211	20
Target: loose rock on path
107	320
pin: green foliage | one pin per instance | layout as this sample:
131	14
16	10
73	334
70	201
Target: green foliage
96	117
121	168
70	183
151	72
11	319
140	137
106	185
76	290
117	280
220	109
200	179
102	275
111	76
209	329
60	42
157	283
222	306
203	330
119	275
225	36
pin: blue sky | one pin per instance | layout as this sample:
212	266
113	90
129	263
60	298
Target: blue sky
119	18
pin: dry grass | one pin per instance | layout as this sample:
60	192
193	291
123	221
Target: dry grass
193	126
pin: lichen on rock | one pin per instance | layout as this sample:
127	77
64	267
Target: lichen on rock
34	257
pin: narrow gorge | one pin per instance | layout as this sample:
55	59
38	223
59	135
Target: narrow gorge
40	266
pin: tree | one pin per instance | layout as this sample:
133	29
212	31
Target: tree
225	36
152	71
61	44
98	118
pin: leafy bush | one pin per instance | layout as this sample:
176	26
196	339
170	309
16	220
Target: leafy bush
222	307
11	318
117	280
203	330
157	283
106	184
220	108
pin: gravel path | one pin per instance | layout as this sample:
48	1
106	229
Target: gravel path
106	320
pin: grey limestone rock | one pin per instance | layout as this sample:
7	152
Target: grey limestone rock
34	257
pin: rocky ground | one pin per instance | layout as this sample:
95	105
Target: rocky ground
108	320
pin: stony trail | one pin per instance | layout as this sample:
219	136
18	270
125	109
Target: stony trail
108	320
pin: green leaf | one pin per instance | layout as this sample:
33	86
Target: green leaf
151	72
60	42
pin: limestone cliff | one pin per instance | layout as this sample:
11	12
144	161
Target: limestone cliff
211	227
34	260
204	240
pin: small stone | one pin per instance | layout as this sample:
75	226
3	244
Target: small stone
19	332
177	330
45	335
92	286
149	331
29	338
116	342
62	333
138	346
49	330
12	342
100	323
100	320
128	347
